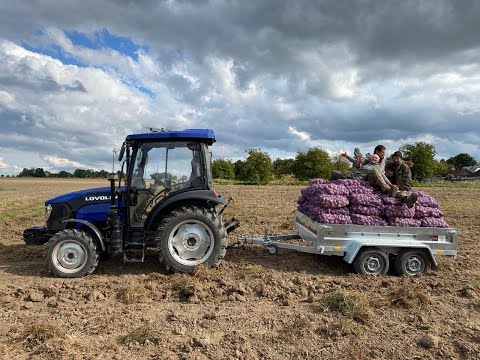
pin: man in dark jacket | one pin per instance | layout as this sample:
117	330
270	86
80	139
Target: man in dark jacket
401	173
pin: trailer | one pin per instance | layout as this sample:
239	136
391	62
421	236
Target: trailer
371	249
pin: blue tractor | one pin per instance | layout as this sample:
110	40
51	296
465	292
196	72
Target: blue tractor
166	202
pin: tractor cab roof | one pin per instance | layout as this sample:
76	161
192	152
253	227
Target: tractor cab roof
202	135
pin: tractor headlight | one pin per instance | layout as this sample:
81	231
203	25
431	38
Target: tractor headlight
48	211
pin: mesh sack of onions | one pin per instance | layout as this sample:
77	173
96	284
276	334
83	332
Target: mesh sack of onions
423	199
424	212
333	219
332	189
366	210
434	222
360	219
351	182
366	199
399	211
388	200
317	181
360	189
331	201
400	221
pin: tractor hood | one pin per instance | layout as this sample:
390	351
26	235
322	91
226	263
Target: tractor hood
95	195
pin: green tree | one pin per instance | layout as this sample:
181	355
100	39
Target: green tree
283	167
80	173
39	172
64	174
423	156
341	164
461	160
223	169
238	168
442	167
312	164
257	169
27	172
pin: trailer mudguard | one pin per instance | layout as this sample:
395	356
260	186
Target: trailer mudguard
356	246
92	227
183	197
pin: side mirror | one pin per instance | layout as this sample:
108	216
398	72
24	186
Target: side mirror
121	153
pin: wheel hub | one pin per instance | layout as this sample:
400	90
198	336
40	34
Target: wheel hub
372	264
414	264
191	242
71	255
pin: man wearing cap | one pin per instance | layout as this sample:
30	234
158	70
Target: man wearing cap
401	173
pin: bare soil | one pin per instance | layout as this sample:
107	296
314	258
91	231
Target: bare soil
255	306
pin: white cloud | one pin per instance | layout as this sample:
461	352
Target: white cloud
301	134
3	164
58	162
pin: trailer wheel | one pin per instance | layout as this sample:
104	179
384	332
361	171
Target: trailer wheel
371	262
272	249
411	263
191	236
71	253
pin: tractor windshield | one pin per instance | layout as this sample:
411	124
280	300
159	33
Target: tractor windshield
160	169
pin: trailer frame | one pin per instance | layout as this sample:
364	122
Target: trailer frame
349	240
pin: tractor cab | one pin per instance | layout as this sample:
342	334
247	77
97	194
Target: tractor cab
161	166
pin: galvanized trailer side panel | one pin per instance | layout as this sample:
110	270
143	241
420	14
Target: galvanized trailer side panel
348	239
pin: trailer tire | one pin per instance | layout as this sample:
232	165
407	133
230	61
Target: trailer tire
411	263
371	262
192	235
71	253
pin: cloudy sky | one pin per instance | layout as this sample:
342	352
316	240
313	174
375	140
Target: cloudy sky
282	75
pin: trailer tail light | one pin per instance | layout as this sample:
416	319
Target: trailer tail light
434	238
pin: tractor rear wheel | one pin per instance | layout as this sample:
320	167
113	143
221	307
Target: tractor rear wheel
71	253
192	235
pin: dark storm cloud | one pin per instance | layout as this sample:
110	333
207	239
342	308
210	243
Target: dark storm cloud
347	71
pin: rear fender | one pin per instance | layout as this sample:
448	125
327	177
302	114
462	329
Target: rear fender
91	227
194	196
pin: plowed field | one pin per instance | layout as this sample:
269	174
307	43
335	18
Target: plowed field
255	306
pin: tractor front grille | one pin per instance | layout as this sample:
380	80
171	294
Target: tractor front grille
59	213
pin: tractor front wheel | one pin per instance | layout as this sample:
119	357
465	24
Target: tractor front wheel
71	253
190	236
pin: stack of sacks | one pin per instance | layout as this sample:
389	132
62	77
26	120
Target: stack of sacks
348	201
365	203
398	214
427	211
325	202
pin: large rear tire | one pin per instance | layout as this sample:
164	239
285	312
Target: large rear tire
71	253
192	235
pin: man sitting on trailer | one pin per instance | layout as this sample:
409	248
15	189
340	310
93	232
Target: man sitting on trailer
401	173
371	171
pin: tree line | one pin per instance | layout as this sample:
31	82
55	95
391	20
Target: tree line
78	173
258	168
